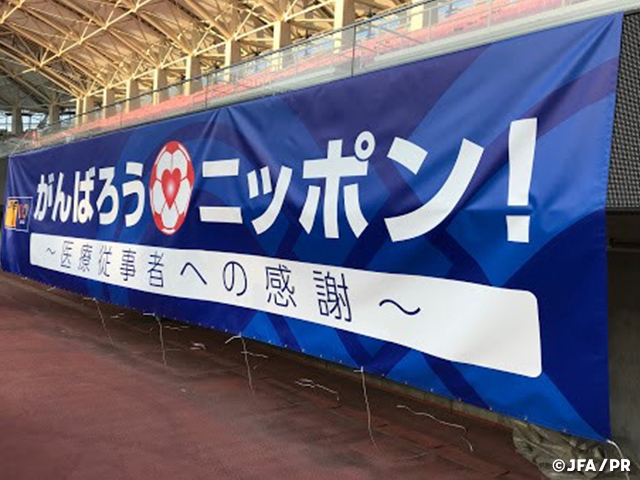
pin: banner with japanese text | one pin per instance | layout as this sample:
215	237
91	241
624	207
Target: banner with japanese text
439	223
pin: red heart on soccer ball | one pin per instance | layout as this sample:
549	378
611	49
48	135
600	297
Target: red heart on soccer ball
170	185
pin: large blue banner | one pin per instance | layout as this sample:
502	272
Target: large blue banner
439	223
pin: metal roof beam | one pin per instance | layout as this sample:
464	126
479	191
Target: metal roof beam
16	6
113	19
44	70
213	22
41	18
24	85
77	65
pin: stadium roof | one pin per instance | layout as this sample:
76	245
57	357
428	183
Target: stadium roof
53	50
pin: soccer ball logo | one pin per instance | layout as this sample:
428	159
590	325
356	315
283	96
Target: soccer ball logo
170	187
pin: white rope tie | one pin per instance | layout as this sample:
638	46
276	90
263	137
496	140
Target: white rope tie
198	346
442	422
251	354
177	328
157	319
366	402
164	353
308	383
245	354
104	323
611	442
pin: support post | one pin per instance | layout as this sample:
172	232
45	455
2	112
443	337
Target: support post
281	35
132	100
88	106
108	99
192	71
160	93
281	39
79	111
417	16
16	120
345	15
232	55
54	114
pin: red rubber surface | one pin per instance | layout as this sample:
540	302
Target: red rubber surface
72	406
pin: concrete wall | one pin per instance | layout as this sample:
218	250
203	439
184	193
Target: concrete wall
3	179
624	330
3	183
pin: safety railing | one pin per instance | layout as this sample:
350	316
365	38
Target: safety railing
414	31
